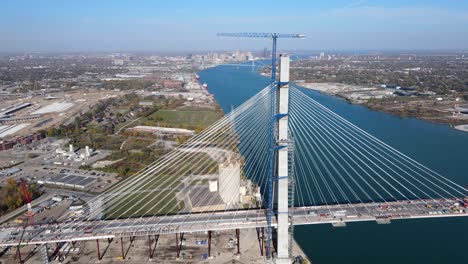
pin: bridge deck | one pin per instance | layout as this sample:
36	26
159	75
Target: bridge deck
332	214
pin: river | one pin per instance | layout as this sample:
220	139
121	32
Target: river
440	147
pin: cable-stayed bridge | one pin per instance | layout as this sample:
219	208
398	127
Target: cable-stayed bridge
233	176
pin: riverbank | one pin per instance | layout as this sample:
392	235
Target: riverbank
435	110
297	251
462	127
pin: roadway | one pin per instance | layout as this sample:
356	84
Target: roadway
338	215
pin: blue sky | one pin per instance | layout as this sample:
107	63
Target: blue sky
176	25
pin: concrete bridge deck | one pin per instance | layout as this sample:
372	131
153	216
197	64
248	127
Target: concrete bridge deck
338	215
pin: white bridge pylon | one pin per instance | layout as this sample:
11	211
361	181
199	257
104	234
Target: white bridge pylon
283	254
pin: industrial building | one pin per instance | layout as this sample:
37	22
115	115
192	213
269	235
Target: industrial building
72	154
9	130
162	130
54	107
9	144
16	119
70	181
10	171
13	109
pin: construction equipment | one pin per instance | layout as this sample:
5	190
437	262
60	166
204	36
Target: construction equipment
27	197
29	221
273	36
273	141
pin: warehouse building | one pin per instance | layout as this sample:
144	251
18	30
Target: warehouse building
70	181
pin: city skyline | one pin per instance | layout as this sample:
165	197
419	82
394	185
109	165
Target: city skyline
88	26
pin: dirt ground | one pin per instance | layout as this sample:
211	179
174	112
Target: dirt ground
137	251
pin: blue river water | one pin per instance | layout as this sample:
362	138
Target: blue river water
439	147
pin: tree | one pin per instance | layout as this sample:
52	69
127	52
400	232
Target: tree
122	171
50	132
77	125
10	185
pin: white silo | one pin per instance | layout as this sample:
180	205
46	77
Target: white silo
229	182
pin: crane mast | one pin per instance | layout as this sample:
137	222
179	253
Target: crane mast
278	143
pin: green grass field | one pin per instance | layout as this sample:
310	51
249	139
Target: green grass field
168	179
144	204
187	117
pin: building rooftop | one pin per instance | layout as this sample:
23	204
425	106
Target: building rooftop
71	180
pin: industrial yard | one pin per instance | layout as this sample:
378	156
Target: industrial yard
25	116
162	249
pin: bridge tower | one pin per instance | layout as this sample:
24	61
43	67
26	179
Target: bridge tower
282	170
278	148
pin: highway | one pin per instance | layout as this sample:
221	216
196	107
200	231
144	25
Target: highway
338	215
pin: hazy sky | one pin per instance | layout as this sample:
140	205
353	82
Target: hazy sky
176	25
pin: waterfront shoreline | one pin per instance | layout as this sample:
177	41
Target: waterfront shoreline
462	127
298	251
459	124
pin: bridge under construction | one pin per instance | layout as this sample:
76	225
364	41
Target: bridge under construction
337	215
278	160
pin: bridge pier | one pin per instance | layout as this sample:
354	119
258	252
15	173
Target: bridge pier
150	248
150	257
263	240
179	238
18	254
98	251
99	255
57	250
238	241
209	244
260	241
124	254
178	245
122	248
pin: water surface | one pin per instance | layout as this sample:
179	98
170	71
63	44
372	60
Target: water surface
439	147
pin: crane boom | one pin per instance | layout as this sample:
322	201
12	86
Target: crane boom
273	36
261	35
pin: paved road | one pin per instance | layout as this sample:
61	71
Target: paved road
50	193
24	208
337	215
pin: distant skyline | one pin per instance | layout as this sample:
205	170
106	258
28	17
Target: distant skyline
176	26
